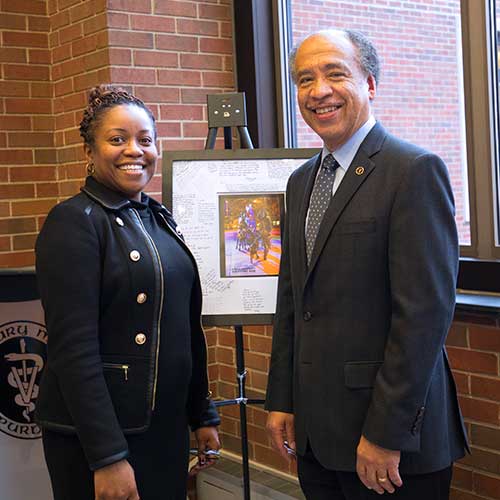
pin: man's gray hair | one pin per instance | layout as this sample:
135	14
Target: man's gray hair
367	53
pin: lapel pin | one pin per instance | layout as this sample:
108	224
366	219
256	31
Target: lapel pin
360	170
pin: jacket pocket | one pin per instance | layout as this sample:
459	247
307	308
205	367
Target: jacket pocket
361	374
127	382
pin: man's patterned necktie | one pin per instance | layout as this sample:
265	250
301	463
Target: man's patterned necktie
320	199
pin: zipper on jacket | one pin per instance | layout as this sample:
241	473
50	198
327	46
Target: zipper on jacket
118	366
162	288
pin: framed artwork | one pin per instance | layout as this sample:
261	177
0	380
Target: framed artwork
230	205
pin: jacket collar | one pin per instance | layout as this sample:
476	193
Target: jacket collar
113	200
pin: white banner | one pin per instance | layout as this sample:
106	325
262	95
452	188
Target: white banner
23	340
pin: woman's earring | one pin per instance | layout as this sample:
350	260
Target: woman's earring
90	168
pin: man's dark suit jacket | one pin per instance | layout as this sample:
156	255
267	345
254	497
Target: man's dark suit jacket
359	333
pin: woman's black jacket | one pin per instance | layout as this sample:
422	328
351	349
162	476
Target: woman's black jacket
101	285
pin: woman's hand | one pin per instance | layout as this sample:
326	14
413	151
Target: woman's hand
115	482
207	438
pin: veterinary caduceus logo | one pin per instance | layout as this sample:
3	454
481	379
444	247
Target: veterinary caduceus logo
23	347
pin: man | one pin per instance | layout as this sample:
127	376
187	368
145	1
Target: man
359	385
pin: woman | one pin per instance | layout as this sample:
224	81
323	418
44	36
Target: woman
126	369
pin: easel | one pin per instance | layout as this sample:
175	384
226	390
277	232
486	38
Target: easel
229	110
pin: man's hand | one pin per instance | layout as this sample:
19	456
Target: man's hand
378	467
115	482
280	427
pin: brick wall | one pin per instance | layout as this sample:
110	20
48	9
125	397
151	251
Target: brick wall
170	53
420	96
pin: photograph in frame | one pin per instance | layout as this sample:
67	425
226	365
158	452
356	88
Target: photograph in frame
250	233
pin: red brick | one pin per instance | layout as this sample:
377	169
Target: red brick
61	53
486	339
260	344
226	338
16	157
41	89
70	33
14	89
167	129
12	22
45	156
38	23
32	174
180	144
488	388
258	435
258	380
217	45
16	191
17	225
214	11
120	56
17	259
175	8
193	129
25	72
218	79
486	437
462	382
30	139
473	361
74	101
60	19
65	120
157	94
479	410
131	5
24	242
33	207
63	87
196	96
96	23
130	39
197	27
132	75
464	495
227	373
5	245
10	54
88	44
95	60
177	77
487	485
72	136
4	209
256	361
225	355
15	122
31	7
457	336
177	43
180	112
197	61
153	23
226	29
155	58
81	11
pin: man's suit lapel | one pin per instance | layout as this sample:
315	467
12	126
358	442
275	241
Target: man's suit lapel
356	175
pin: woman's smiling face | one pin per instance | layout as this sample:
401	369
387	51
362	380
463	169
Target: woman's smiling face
124	150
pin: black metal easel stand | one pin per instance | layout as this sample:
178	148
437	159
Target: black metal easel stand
241	372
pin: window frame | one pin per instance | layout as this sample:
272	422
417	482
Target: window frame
478	50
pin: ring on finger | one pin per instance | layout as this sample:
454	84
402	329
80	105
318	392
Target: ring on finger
381	479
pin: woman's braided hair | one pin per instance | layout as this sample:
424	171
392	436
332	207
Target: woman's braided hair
102	98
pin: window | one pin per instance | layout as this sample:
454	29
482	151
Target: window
420	95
